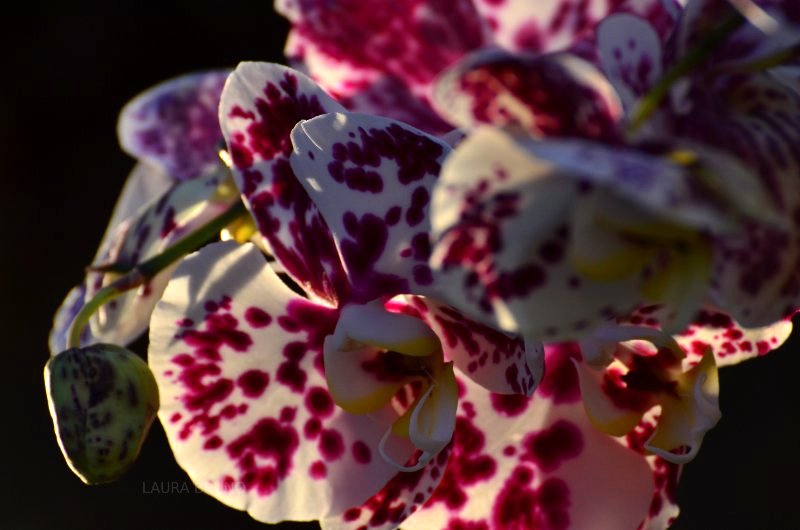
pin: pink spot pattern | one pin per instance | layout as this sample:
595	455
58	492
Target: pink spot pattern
372	178
246	388
730	342
174	125
256	126
540	468
492	359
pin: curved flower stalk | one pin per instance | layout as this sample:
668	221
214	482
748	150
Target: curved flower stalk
272	400
383	58
743	101
178	185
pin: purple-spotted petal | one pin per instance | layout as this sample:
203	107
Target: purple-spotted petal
663	506
730	342
238	359
554	25
502	222
758	272
145	184
495	361
655	184
630	55
260	105
174	124
535	462
402	496
616	397
371	179
174	215
344	46
773	28
546	96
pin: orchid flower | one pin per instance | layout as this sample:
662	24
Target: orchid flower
619	221
178	184
272	400
530	463
383	58
744	103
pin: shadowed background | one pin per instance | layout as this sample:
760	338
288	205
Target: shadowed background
64	82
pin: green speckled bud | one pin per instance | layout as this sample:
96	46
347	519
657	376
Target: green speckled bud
103	399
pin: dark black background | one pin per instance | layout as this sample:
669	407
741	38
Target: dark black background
63	82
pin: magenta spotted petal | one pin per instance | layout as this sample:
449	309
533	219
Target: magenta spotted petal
630	55
550	25
238	360
531	236
145	184
497	362
401	497
156	226
774	26
730	342
345	46
260	106
536	463
174	124
371	178
758	274
555	95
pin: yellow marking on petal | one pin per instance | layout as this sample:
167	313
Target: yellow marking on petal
241	230
433	419
627	261
225	157
367	403
417	347
400	427
686	418
227	190
682	285
683	157
600	409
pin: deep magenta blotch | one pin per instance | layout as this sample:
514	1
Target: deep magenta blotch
510	405
257	317
319	402
361	452
253	382
331	445
550	447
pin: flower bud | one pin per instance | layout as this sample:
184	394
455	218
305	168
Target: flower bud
102	399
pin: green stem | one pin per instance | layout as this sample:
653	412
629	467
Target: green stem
696	56
145	271
778	58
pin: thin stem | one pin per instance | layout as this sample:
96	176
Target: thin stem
145	271
696	56
760	64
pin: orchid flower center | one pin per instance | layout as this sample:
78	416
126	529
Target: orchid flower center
378	360
641	369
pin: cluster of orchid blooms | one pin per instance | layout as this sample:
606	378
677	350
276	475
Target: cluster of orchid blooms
481	261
